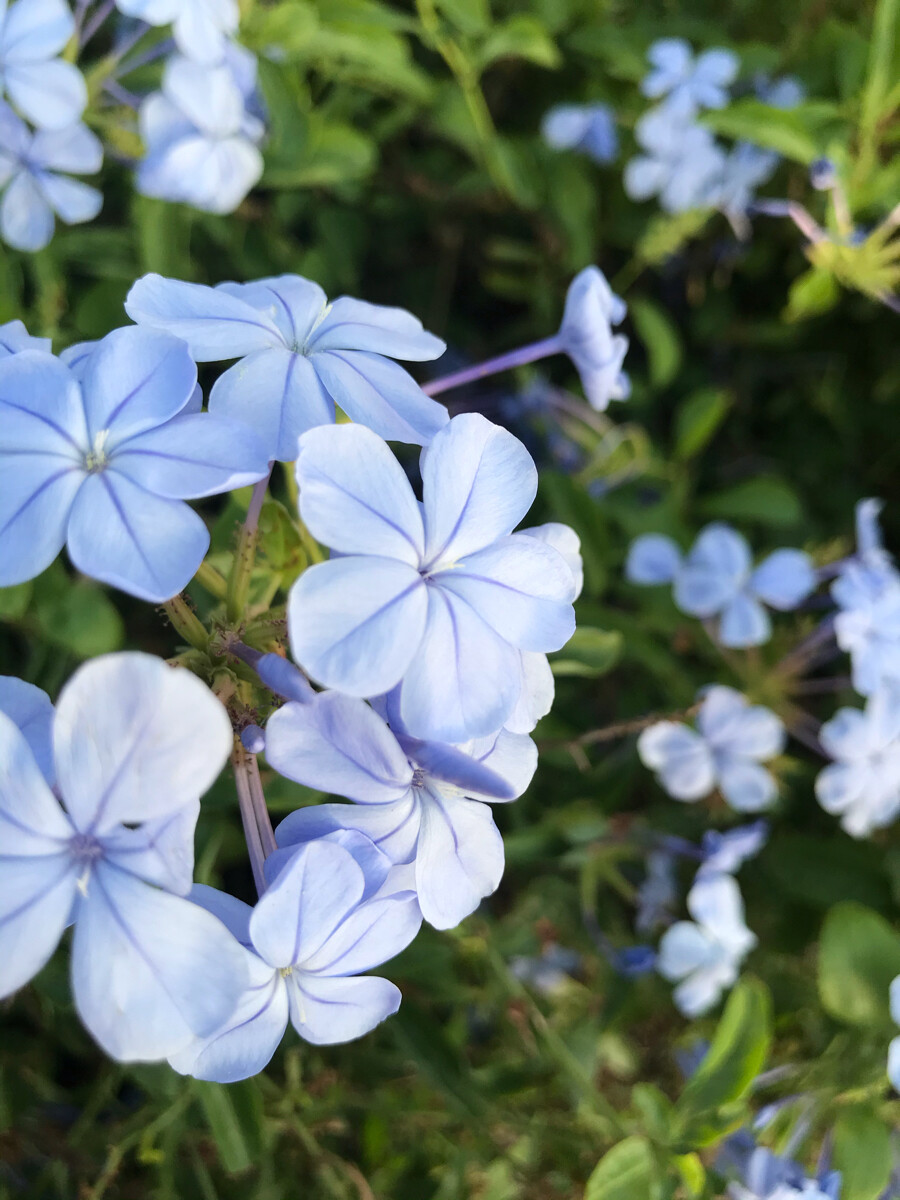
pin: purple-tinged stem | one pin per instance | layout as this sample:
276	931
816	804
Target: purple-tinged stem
263	820
802	655
94	24
796	213
160	50
245	555
504	362
121	95
240	760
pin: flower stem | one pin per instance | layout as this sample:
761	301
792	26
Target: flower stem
91	26
240	761
245	556
263	821
186	622
504	362
212	580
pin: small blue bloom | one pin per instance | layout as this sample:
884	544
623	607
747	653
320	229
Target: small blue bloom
51	93
419	802
785	92
15	337
300	356
862	784
823	174
745	168
441	596
705	954
726	750
768	1176
200	137
590	128
102	462
135	744
201	27
867	626
725	853
894	1049
34	169
689	83
586	336
307	943
682	163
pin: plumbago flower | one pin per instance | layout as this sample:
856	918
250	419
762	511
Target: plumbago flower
50	92
862	785
689	83
681	162
585	335
732	739
706	954
717	579
102	460
34	169
420	802
201	28
201	141
725	853
300	356
590	128
15	337
321	924
134	745
439	598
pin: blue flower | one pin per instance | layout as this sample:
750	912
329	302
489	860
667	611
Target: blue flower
35	191
768	1176
135	744
102	462
725	853
682	162
442	596
420	802
50	92
744	169
689	83
201	27
200	138
717	579
587	127
31	711
300	356
867	626
705	954
733	738
309	939
586	336
657	893
862	784
785	92
15	337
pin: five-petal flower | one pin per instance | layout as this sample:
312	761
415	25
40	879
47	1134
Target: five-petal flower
863	782
689	83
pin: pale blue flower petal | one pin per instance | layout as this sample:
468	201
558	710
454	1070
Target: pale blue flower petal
201	28
123	535
355	497
784	579
26	219
356	623
357	325
470	773
35	903
894	1000
159	851
283	678
846	735
73	201
35	29
744	623
716	904
893	1063
479	482
703	591
681	759
150	970
135	740
697	994
684	948
296	305
372	933
233	913
727	852
31	710
393	828
536	694
74	149
644	177
31	820
883	716
747	787
35	502
51	94
734	727
325	1011
14	338
459	859
511	756
566	542
652	559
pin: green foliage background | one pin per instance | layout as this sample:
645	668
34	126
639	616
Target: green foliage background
404	166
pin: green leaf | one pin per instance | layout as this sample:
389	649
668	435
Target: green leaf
14	601
469	16
589	652
815	291
519	37
330	153
859	956
79	616
736	1056
862	1153
793	132
692	1172
767	499
235	1118
661	339
624	1173
880	75
665	235
697	420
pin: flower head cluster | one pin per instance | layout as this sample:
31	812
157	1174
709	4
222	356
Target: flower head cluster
590	128
717	579
732	739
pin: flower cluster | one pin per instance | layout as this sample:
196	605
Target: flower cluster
589	128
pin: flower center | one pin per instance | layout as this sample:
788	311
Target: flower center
85	848
418	779
96	458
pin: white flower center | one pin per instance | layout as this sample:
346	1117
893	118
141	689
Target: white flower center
96	458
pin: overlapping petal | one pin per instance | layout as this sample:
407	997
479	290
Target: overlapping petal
326	1010
379	393
459	858
135	380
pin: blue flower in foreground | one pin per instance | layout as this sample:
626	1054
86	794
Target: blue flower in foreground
200	138
863	782
300	356
50	92
34	169
308	941
717	579
689	83
442	595
586	336
102	462
135	744
725	853
590	128
419	802
768	1176
201	27
733	738
682	162
15	337
706	954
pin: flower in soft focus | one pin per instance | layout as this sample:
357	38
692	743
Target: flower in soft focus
768	1176
300	356
658	893
201	27
863	782
893	1068
681	163
689	83
785	92
590	128
102	460
586	336
717	579
134	745
867	626
870	549
200	138
441	596
15	337
725	853
745	168
34	169
307	942
419	802
706	954
725	751
50	92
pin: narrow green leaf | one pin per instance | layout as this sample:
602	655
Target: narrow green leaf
661	339
815	291
589	652
767	499
235	1118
